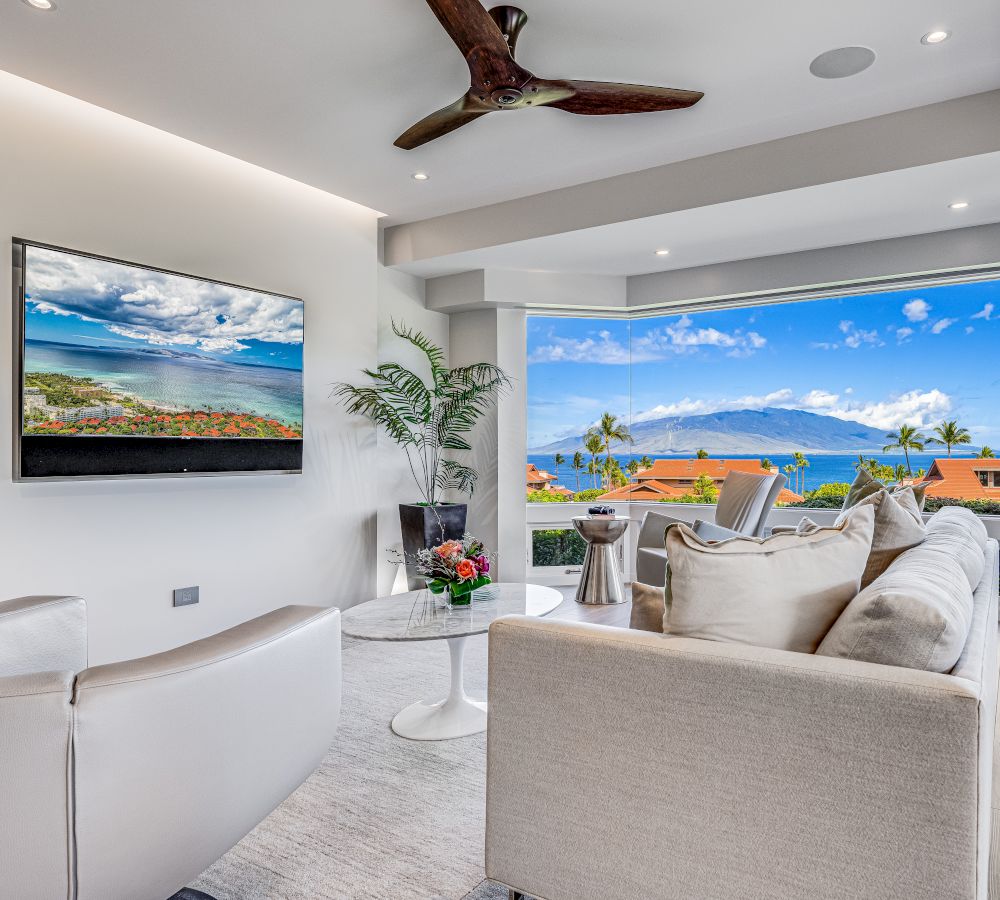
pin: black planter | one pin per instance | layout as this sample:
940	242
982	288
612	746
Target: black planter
428	526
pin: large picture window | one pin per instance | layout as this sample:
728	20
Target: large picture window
659	409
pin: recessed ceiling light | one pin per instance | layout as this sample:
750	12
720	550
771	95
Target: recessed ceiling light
935	37
420	176
40	4
663	253
842	62
958	204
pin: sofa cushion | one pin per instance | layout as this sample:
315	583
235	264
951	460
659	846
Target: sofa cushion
784	591
865	484
647	608
898	527
917	614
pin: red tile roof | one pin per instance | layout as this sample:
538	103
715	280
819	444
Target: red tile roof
957	478
692	468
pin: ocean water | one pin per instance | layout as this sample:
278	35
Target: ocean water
823	468
177	382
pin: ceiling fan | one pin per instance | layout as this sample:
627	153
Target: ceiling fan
487	41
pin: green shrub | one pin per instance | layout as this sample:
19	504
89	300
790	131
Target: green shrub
557	547
546	497
818	503
588	495
839	489
979	507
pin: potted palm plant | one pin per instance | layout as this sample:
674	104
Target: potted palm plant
428	421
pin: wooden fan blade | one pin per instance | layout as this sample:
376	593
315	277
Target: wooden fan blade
606	98
469	25
464	110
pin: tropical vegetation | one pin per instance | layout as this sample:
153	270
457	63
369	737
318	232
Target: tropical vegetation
906	438
428	420
950	434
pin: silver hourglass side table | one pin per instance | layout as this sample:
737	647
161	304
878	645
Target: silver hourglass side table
601	580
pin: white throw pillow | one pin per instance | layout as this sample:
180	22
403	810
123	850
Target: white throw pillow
918	613
784	591
898	527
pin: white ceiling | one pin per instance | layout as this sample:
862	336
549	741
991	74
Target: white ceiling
888	205
318	90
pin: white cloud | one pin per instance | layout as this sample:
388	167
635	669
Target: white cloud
903	334
969	329
853	338
941	324
677	338
156	307
916	310
985	313
603	350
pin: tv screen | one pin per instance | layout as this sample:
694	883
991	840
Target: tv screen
127	370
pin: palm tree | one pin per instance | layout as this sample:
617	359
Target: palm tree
950	435
766	464
702	454
646	463
899	473
801	464
577	465
559	460
905	438
986	452
592	471
788	471
428	419
609	429
633	467
593	444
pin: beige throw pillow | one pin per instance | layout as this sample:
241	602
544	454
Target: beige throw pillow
919	612
898	527
647	608
784	591
865	484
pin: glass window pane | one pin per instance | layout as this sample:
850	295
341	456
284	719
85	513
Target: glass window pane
557	547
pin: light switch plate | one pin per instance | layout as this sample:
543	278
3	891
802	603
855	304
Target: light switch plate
186	596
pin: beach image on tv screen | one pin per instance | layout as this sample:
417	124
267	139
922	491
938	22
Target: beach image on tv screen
117	350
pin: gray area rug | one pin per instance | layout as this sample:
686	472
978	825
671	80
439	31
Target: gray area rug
383	817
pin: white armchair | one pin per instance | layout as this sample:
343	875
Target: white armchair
125	781
745	501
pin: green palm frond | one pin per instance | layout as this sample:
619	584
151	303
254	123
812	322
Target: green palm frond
434	354
428	420
454	476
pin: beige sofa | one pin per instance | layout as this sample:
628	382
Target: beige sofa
125	781
624	764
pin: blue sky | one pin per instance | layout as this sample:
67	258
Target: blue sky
880	359
78	300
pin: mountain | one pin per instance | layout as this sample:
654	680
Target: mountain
744	432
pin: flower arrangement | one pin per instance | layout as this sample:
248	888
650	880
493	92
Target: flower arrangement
458	567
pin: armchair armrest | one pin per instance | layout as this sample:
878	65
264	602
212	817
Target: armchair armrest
43	634
35	846
179	755
713	771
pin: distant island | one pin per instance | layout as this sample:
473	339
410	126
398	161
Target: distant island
744	432
60	404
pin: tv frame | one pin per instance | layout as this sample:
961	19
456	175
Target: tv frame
207	455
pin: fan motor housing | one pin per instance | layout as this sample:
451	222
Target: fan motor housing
506	97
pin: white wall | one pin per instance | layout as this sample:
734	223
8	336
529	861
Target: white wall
400	298
78	176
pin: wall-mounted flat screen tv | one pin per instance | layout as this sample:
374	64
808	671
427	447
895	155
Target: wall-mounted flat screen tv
126	370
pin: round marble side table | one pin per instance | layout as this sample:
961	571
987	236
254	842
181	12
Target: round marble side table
601	580
415	616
